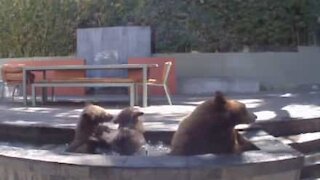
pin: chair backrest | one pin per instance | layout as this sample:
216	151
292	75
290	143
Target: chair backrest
166	70
12	73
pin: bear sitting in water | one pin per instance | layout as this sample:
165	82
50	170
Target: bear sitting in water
210	128
91	117
128	139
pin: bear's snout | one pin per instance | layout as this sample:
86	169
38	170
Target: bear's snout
105	118
252	118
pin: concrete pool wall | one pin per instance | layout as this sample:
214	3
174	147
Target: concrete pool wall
273	160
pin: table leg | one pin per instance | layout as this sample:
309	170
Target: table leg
24	86
44	89
33	94
132	93
144	86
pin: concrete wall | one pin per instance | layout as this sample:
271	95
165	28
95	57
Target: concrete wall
113	45
239	72
270	69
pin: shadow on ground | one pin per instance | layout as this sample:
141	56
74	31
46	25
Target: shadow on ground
160	116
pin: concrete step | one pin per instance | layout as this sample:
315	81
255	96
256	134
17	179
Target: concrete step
311	168
311	171
291	126
305	143
309	144
304	136
312	158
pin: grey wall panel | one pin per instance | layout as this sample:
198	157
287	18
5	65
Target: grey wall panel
113	45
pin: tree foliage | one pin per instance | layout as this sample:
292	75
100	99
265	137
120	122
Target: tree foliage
47	27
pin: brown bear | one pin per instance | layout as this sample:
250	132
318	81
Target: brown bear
210	128
128	139
131	118
90	118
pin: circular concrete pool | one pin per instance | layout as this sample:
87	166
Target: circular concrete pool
272	160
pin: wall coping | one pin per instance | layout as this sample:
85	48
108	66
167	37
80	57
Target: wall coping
272	153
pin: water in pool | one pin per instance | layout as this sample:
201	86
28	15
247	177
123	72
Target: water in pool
149	149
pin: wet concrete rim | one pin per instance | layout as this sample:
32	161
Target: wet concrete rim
271	152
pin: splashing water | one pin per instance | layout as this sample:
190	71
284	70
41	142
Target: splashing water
149	149
157	149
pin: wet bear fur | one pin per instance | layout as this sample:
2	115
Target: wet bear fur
210	128
91	117
128	139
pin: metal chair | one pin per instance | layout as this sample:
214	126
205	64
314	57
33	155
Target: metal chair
162	82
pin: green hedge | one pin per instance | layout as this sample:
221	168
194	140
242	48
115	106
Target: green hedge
47	27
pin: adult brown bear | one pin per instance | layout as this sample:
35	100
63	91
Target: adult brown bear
210	128
90	118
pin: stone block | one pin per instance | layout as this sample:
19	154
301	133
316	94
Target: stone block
207	86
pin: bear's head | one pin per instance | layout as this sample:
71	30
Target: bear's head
232	111
95	115
129	118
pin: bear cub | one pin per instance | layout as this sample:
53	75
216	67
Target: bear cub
91	117
128	139
210	128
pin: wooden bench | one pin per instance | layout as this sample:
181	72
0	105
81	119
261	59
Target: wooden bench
86	82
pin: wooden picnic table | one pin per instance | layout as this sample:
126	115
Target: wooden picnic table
44	69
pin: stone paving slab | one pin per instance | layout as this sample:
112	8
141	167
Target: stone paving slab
278	106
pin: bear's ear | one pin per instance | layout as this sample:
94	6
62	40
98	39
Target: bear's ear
86	117
219	98
137	114
88	103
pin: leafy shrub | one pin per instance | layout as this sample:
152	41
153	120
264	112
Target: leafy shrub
48	27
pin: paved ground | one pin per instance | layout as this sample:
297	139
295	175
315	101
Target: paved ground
159	116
